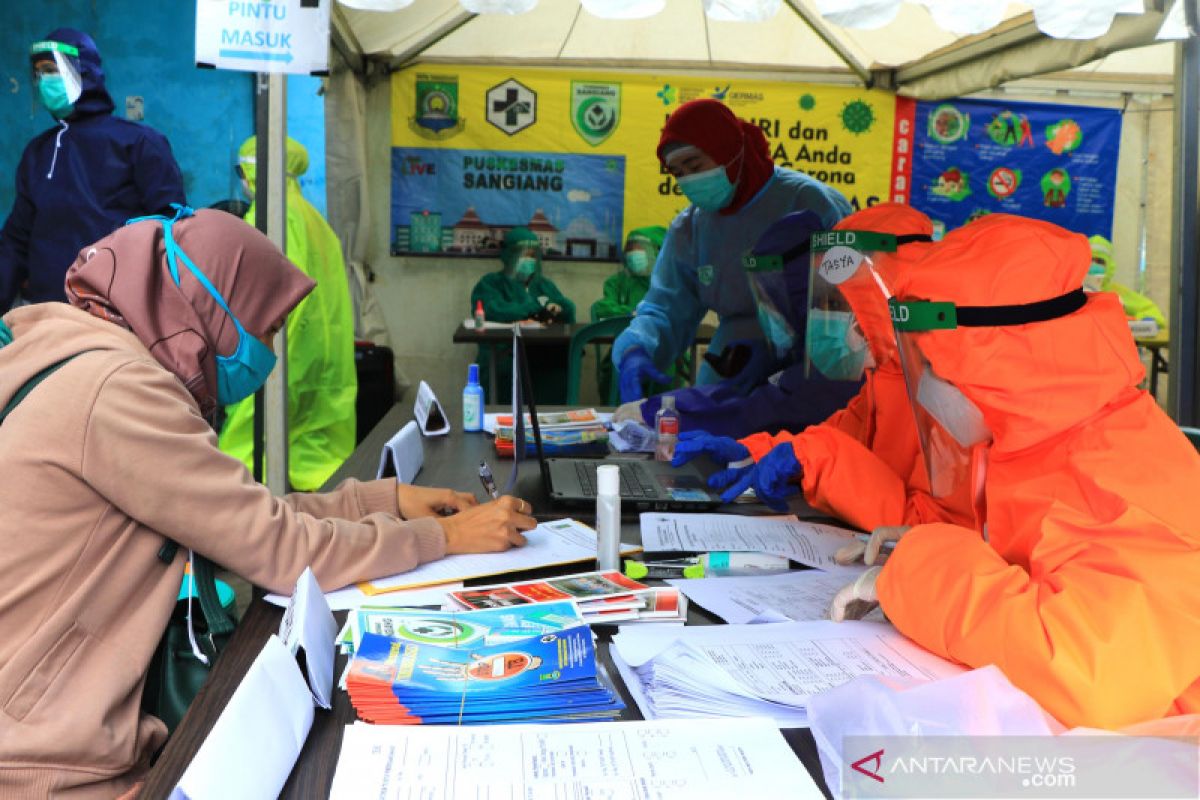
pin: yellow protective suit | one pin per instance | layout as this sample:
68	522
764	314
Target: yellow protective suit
322	382
1084	590
864	464
1136	304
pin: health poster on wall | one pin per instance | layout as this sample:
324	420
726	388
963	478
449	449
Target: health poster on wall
478	150
1041	160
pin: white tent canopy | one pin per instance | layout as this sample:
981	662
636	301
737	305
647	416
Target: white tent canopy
910	53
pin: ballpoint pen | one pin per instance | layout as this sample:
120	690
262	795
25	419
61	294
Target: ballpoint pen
489	482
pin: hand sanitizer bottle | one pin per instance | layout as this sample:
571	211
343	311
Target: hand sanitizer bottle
666	425
608	517
472	401
480	320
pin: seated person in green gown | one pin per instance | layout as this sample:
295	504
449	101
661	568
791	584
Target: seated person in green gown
519	292
625	289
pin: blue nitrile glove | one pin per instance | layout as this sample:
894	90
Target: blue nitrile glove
698	443
772	478
637	366
762	365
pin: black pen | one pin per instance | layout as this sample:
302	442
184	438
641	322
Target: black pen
489	482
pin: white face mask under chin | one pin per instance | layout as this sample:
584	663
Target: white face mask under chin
961	418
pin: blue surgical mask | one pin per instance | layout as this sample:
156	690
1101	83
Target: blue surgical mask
832	347
710	190
245	371
637	262
53	92
525	268
1094	280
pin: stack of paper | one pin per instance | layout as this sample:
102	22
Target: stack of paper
604	597
549	677
662	760
762	670
577	432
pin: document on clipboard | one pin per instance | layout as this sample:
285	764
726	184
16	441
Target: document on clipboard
550	544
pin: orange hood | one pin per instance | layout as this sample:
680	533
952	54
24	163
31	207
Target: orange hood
1036	380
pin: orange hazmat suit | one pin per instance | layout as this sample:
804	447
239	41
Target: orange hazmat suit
1085	589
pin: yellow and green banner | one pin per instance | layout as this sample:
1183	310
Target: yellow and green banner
478	150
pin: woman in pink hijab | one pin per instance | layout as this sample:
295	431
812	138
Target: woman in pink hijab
111	456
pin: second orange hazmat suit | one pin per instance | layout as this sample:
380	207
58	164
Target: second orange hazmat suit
864	464
1085	590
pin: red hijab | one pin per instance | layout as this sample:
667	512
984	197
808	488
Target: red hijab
712	127
124	279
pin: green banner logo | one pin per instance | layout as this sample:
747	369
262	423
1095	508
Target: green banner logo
595	110
436	110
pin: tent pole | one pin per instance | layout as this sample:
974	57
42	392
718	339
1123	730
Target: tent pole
1184	403
819	27
270	216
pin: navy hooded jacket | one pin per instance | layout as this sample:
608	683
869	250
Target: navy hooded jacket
79	181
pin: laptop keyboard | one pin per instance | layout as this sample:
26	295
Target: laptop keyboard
636	480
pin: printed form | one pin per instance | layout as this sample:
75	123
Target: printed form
797	595
810	543
639	760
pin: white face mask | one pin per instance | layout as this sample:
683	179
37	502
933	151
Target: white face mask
961	418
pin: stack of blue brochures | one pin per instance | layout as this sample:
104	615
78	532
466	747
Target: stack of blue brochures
553	677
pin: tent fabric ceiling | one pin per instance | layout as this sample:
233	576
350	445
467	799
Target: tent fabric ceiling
796	41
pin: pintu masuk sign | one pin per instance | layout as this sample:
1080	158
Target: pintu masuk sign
263	35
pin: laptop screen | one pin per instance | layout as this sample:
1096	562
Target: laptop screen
522	395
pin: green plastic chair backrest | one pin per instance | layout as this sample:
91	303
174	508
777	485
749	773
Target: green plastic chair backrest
610	327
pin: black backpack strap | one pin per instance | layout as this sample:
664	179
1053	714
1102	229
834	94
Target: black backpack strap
204	574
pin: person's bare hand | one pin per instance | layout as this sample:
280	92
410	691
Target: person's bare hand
488	528
426	501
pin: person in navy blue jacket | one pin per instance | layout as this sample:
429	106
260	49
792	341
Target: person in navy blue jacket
80	180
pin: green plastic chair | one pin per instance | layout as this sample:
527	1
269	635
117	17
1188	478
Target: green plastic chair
611	328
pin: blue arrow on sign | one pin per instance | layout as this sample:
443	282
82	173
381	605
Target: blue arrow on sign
254	54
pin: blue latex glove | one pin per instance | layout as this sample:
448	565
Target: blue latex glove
698	443
637	366
771	478
761	366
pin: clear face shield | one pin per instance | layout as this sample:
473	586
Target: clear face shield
56	59
523	263
769	285
840	261
950	427
637	257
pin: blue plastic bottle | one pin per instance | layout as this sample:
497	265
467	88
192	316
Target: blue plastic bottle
473	400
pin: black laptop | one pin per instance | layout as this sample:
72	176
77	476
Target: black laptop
646	484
